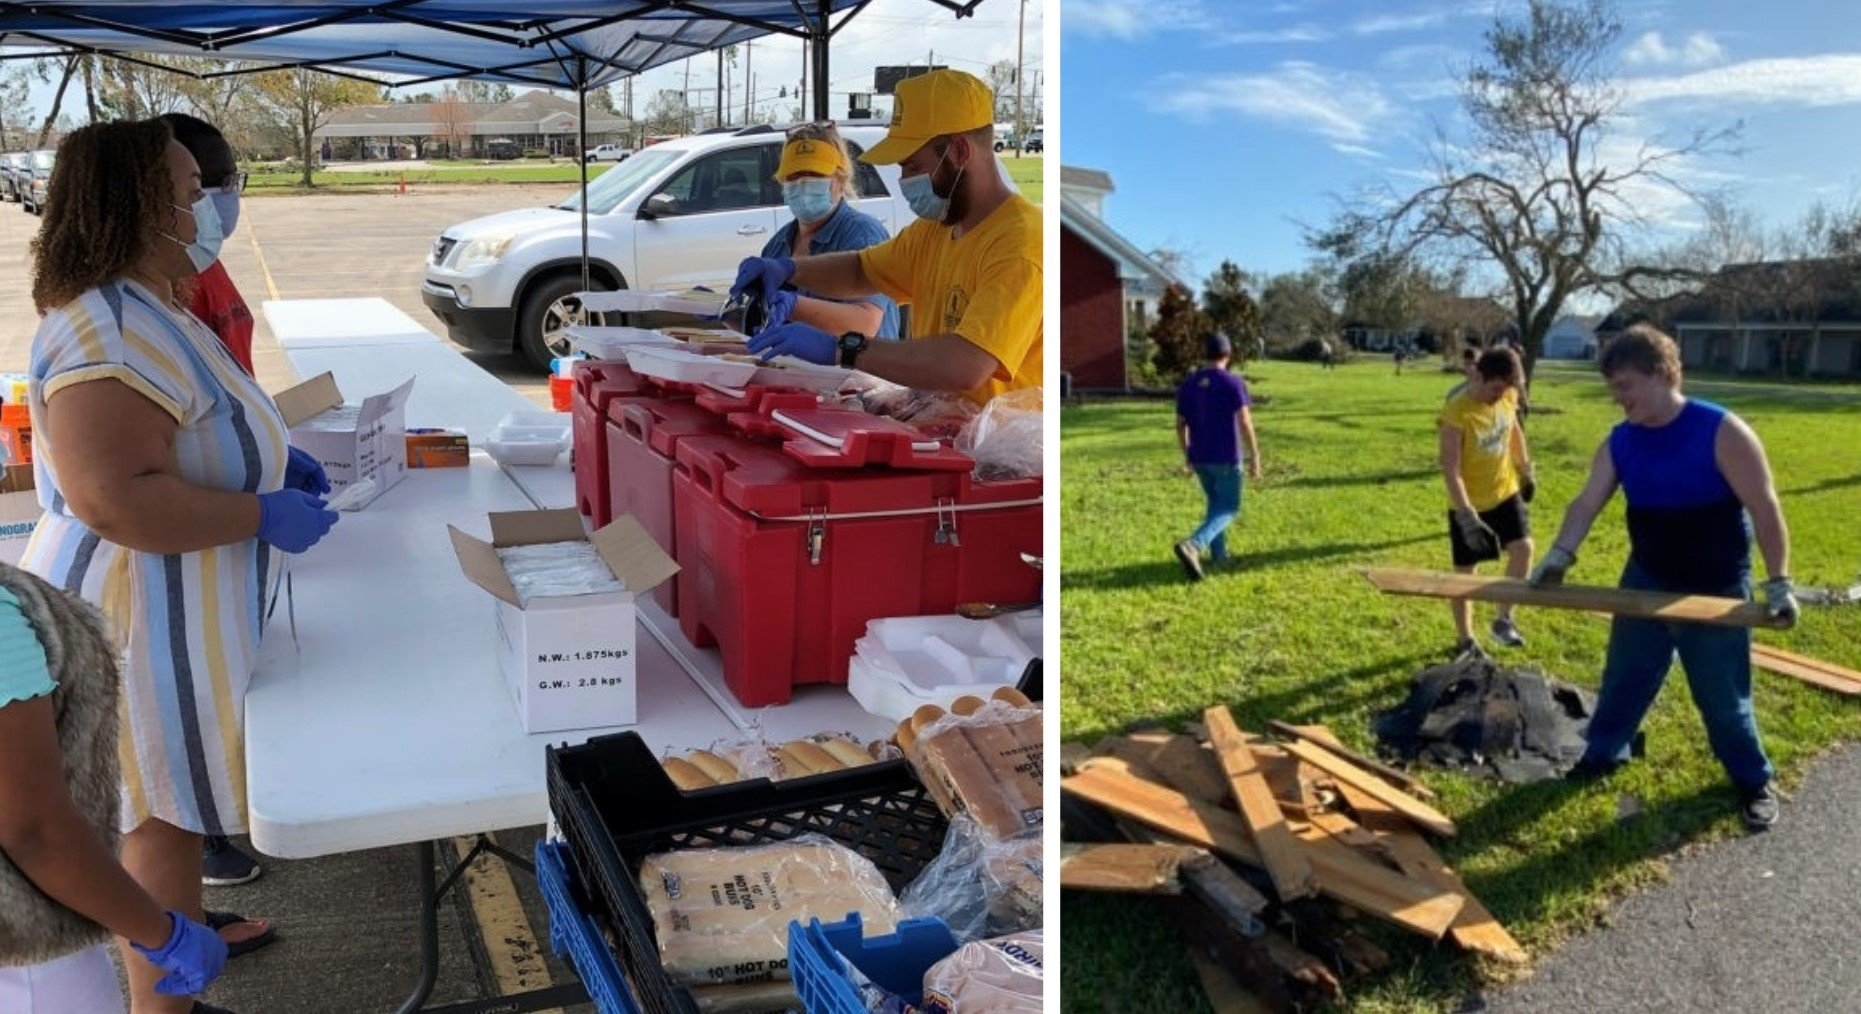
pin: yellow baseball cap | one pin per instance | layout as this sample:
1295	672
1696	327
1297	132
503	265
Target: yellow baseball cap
932	105
809	155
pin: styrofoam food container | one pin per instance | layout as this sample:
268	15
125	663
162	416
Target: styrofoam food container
701	304
518	451
904	663
688	367
613	342
788	371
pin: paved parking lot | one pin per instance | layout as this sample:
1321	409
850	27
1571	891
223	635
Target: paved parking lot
347	923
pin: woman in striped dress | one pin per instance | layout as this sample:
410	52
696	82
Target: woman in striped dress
167	480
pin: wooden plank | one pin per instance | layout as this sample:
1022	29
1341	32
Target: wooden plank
1127	869
1801	667
1222	988
1322	736
1617	601
1342	874
1285	861
1190	770
1344	771
1475	928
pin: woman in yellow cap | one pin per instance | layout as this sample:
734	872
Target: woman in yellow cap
816	174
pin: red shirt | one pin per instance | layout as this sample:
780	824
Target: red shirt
218	304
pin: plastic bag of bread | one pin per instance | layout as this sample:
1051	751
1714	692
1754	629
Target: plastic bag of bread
979	885
981	758
721	915
997	976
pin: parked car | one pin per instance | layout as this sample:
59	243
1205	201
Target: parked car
14	168
606	153
1035	142
679	214
32	198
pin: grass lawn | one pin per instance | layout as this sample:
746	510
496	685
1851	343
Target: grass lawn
1289	631
1028	174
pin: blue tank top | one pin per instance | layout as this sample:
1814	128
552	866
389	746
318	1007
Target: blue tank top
1686	526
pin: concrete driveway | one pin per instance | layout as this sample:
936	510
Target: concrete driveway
347	922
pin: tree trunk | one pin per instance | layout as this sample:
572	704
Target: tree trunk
90	88
58	100
307	128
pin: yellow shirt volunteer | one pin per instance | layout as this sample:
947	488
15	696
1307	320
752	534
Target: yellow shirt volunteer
984	285
1486	467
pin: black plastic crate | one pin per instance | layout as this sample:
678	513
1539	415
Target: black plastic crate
616	806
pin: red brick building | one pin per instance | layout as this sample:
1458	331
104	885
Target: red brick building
1106	286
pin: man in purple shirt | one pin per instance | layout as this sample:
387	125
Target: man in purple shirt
1212	419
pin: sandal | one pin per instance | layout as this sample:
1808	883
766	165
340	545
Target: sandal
219	922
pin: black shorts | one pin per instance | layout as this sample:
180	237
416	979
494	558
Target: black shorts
1510	519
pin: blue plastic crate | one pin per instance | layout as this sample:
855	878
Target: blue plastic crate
818	954
574	936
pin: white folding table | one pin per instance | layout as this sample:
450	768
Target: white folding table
378	714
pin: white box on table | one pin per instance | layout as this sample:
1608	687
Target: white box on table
569	660
375	447
19	512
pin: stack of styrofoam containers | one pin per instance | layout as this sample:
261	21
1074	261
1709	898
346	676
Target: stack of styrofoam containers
904	663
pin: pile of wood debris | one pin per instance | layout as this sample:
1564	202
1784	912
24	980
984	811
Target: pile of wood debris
1264	851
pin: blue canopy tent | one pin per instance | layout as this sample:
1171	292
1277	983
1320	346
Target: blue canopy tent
575	44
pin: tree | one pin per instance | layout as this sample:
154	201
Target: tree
496	92
1528	193
1297	307
15	86
452	122
602	100
667	113
1001	78
1176	337
306	99
137	91
1230	309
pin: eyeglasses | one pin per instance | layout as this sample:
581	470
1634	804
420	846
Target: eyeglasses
234	183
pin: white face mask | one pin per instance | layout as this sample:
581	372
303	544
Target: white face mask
208	235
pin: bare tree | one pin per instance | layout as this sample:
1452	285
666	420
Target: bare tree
452	122
1533	193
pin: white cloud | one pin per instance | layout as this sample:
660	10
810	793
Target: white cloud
1338	106
1357	150
1696	50
1270	36
1132	19
1806	81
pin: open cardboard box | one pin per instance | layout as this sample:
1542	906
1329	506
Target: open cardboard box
569	660
374	448
19	512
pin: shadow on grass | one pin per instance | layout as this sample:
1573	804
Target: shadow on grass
1824	486
1165	570
1375	479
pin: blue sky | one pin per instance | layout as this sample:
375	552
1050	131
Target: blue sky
1225	124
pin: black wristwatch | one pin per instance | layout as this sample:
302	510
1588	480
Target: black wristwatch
851	345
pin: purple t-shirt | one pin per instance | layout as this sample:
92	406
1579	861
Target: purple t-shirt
1210	401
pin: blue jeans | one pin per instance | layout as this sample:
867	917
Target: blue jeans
1221	484
1717	661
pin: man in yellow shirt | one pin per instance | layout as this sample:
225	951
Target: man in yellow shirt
970	265
1489	484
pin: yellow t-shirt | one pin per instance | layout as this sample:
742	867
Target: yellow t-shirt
1486	467
984	286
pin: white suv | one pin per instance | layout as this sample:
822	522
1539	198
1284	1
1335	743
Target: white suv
677	214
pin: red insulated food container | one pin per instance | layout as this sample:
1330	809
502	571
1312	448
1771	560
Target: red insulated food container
596	383
642	435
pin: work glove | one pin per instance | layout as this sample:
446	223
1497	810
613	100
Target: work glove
303	471
1477	535
778	309
802	341
766	274
1780	600
1550	570
1528	484
192	957
293	520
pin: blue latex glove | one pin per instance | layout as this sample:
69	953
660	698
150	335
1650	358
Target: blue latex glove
192	957
303	471
766	274
293	520
802	341
778	310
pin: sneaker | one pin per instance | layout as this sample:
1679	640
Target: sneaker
1467	650
223	865
1587	770
1191	559
1507	633
1759	807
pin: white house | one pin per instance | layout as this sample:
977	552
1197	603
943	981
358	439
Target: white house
1572	337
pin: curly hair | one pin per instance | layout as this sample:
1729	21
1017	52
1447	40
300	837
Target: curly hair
108	185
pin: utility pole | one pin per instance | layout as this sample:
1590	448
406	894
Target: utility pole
749	80
720	87
1020	73
687	95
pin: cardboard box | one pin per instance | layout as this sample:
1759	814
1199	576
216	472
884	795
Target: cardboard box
569	660
371	446
437	448
19	512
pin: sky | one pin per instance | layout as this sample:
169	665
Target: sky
1225	125
886	32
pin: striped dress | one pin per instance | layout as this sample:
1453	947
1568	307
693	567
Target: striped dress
187	623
